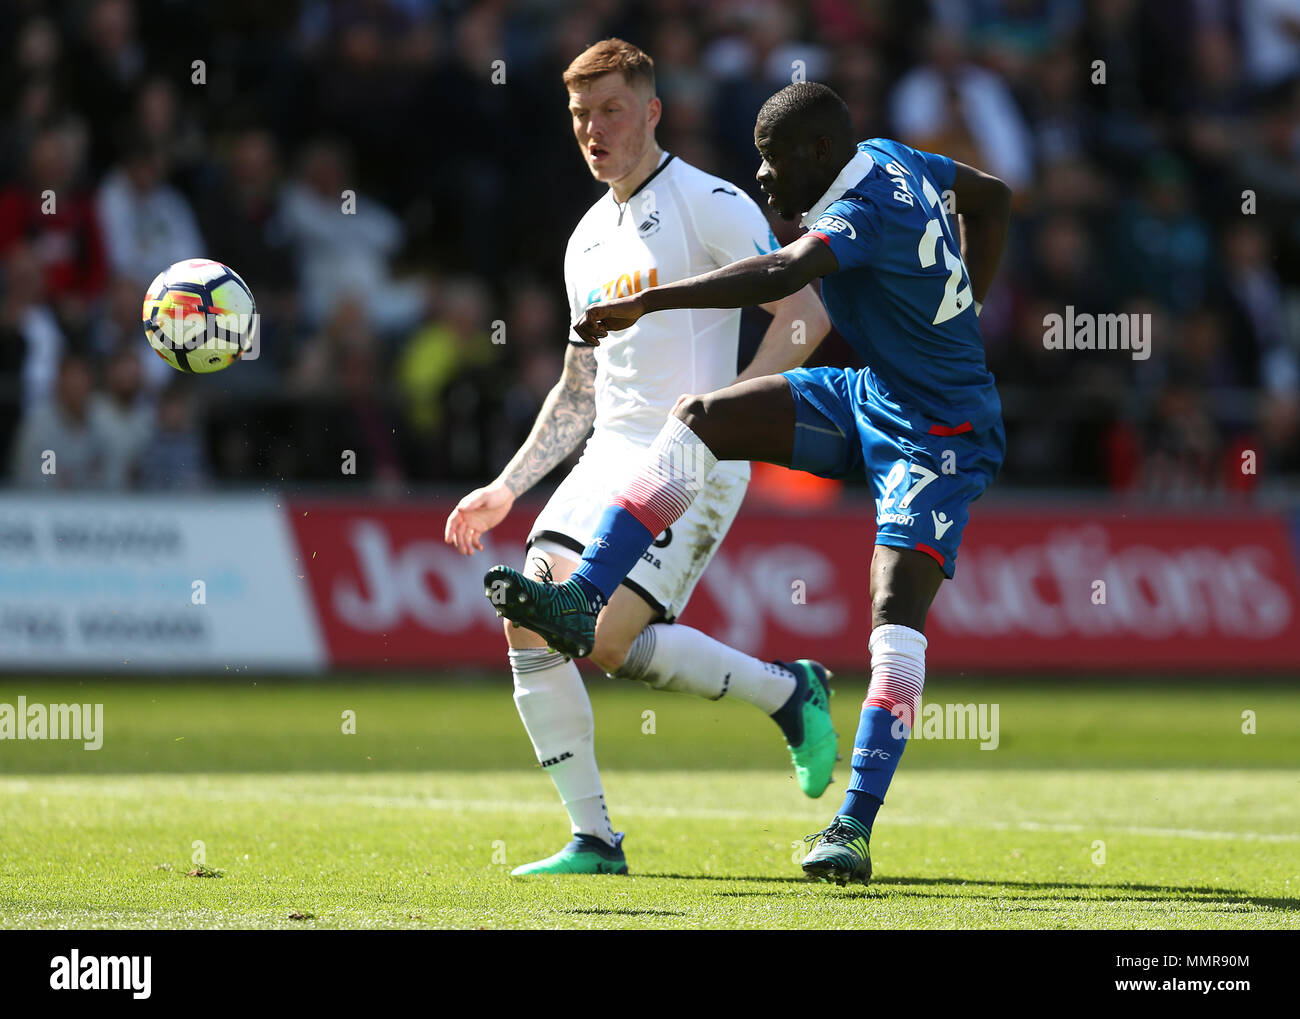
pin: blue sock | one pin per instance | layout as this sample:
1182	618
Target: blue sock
875	757
789	716
619	542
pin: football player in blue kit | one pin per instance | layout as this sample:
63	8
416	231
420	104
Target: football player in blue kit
903	281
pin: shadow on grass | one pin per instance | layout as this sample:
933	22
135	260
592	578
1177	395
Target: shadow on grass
1070	891
622	912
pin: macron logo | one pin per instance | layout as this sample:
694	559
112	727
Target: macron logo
941	523
73	972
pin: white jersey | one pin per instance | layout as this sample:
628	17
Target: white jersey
681	222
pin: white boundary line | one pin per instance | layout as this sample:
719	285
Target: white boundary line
479	806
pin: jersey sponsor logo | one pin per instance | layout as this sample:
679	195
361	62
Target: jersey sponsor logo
835	225
624	285
941	523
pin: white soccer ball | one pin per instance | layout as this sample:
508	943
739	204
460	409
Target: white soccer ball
200	316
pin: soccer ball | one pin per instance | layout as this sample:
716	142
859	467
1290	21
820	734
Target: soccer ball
199	315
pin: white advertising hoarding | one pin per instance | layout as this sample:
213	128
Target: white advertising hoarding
129	583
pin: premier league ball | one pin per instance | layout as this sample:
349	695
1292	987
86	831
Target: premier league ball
199	315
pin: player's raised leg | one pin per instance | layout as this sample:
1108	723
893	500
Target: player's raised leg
751	420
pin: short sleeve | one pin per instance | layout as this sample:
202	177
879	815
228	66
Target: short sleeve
849	226
940	168
733	227
571	294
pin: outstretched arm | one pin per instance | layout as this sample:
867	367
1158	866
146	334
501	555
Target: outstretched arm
762	279
984	205
563	422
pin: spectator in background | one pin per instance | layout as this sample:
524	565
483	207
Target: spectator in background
160	119
950	105
120	327
106	67
1161	246
1271	41
344	244
147	224
455	342
242	218
29	332
535	345
1269	166
175	457
53	214
450	383
60	443
344	405
123	415
1251	294
32	77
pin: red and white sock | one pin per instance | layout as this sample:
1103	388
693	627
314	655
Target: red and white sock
897	670
677	464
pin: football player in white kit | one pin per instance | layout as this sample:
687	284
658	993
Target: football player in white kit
661	220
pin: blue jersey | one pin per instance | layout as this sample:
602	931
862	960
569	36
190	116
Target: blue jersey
902	297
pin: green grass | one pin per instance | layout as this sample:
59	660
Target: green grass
416	819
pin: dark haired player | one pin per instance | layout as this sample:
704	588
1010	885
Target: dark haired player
922	420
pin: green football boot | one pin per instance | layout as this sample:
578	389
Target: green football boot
560	613
843	854
586	854
815	756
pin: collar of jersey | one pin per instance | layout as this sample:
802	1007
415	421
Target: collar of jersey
854	170
667	158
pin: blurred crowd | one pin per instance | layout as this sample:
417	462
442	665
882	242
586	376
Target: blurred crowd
1154	149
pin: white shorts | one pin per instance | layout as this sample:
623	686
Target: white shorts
671	567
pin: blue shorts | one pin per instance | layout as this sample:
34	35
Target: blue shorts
923	481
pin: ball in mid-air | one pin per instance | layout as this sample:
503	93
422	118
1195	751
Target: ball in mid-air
199	315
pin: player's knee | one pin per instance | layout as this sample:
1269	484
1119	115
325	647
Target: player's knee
890	605
690	409
610	653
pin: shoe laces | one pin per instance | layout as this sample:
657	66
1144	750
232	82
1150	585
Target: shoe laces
829	832
544	570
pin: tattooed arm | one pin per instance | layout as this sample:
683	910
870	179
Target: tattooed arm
562	423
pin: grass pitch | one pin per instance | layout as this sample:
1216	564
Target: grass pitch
244	804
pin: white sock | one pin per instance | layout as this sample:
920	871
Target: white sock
553	703
669	656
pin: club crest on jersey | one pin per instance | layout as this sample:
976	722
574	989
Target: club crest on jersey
649	226
835	225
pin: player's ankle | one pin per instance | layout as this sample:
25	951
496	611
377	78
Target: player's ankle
595	599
